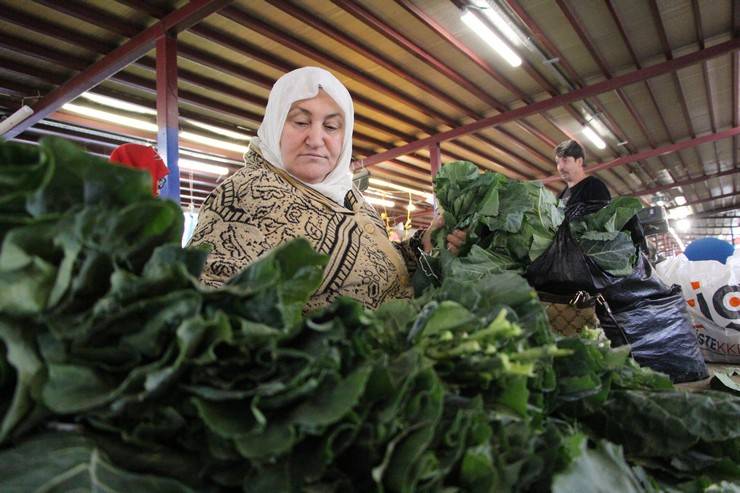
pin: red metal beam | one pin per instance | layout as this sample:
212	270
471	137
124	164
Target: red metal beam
690	181
705	75
625	39
667	149
133	49
400	39
709	199
168	120
586	40
435	160
585	92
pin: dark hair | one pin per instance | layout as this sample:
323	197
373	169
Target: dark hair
569	148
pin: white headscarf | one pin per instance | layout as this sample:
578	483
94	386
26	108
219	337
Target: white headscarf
304	83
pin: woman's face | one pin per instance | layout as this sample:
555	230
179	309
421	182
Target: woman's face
312	138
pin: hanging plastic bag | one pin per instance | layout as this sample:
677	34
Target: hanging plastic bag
652	318
639	309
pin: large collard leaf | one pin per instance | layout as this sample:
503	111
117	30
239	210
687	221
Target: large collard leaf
28	367
28	268
612	217
274	289
81	179
23	170
616	256
669	422
602	469
600	235
64	462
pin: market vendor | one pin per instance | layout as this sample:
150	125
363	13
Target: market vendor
587	189
297	182
580	187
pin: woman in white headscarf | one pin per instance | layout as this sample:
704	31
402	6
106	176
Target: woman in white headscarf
297	182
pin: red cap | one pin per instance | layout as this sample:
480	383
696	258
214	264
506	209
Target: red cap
141	157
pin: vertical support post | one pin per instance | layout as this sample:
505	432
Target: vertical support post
167	113
435	158
435	161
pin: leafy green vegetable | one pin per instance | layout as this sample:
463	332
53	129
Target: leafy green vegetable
152	382
516	222
601	237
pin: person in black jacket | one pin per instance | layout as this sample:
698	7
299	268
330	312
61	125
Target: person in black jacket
581	188
587	189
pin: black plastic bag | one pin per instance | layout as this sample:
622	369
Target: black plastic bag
645	313
652	318
565	269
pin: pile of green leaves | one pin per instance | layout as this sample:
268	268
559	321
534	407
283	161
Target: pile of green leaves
515	222
511	223
119	371
600	235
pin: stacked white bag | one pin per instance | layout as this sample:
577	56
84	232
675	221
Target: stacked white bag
712	291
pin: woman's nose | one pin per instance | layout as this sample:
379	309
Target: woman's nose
315	136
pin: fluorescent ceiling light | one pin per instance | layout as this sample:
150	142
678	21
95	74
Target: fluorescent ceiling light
382	183
378	201
211	169
119	104
110	117
498	44
680	200
218	130
151	127
498	20
680	212
683	225
594	137
220	144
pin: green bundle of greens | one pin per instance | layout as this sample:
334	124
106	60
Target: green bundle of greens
600	235
119	371
514	222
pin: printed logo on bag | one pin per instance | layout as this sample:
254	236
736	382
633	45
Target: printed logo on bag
725	301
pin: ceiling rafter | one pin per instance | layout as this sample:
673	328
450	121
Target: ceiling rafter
139	83
131	50
433	25
628	44
384	29
706	79
668	53
565	69
193	53
690	181
612	124
578	94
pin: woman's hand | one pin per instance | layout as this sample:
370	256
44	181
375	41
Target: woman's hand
455	240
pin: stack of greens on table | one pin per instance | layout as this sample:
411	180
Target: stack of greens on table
511	223
119	371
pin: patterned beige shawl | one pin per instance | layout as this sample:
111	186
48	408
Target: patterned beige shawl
261	207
